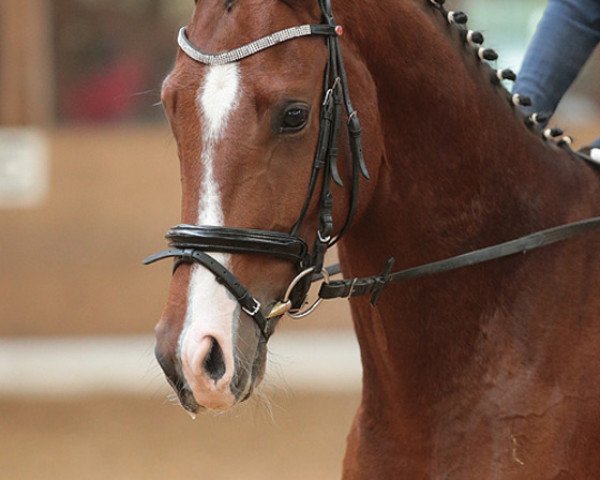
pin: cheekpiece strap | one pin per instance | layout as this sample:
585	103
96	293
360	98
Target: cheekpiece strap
251	48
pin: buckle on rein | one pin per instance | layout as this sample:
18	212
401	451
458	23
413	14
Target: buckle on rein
284	307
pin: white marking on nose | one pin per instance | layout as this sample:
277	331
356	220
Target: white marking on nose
211	310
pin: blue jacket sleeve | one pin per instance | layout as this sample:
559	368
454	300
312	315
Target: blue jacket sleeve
564	40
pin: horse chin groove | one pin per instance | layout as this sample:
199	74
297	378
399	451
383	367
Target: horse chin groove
188	402
248	395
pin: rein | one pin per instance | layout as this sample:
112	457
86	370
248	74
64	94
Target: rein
355	287
189	243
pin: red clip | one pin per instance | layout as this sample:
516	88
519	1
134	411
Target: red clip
339	30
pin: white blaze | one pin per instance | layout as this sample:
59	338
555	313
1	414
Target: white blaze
211	309
217	99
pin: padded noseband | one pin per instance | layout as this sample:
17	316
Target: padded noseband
239	240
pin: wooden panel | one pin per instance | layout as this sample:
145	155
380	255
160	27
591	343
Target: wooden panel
73	265
26	70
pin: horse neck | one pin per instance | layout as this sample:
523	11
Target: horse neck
460	172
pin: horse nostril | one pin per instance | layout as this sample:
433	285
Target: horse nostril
214	364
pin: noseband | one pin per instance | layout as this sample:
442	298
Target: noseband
189	243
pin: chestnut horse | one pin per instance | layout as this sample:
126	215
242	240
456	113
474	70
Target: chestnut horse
484	372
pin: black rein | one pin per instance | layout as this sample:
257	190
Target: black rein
374	285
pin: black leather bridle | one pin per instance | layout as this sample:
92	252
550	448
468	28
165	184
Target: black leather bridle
189	243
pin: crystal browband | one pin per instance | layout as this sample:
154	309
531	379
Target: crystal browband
249	49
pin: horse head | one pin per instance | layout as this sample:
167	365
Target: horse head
254	155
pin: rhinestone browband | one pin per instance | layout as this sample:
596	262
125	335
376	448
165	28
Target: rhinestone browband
251	48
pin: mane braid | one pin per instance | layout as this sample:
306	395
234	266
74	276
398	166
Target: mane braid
474	40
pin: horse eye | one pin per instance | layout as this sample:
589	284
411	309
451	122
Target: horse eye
295	118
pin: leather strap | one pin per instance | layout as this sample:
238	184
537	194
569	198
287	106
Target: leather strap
374	285
248	303
320	29
239	240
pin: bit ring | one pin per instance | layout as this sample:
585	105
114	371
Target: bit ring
297	314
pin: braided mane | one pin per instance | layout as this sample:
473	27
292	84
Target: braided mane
474	40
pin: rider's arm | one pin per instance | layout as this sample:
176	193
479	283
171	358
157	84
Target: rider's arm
565	38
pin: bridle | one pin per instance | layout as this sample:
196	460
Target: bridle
189	243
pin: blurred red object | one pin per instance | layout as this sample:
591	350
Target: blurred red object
108	94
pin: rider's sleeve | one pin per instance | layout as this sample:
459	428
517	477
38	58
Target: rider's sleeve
564	40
